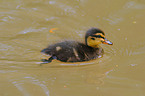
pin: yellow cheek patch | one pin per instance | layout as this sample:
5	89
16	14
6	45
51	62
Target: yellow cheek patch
99	40
100	34
93	43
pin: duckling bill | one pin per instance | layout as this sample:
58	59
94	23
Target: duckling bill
73	51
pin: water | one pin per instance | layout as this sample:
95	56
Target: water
24	32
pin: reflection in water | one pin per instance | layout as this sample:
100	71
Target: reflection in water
21	85
95	78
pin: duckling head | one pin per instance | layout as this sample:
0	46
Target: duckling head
95	36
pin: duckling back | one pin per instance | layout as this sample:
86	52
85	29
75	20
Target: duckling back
72	51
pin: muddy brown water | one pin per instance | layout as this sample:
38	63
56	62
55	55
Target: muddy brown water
24	31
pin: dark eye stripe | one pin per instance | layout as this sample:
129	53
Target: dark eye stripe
98	36
93	38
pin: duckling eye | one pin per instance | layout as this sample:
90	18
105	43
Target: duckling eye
93	38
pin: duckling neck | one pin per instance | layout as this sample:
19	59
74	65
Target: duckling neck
93	46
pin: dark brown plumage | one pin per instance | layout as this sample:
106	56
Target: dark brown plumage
73	51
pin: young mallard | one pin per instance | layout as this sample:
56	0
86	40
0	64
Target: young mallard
72	51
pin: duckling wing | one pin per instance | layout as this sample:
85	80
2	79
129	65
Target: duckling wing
64	51
86	52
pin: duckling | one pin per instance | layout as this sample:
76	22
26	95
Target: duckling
73	51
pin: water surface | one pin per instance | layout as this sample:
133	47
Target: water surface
24	31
